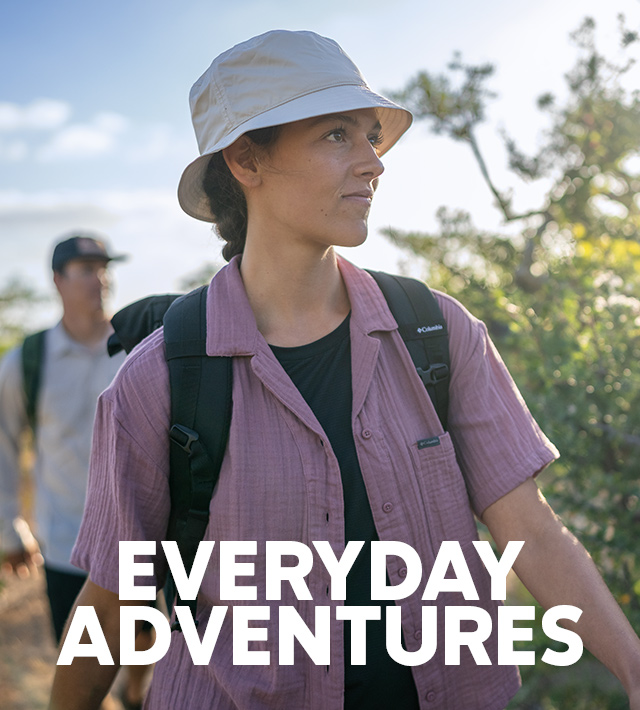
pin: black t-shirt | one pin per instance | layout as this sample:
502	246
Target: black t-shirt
322	373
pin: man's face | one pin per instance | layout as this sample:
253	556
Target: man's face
83	285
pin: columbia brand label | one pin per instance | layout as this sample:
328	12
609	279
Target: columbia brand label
426	443
429	328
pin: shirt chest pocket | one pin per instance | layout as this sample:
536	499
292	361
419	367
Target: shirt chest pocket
443	490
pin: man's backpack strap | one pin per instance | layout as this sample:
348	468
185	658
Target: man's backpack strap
32	363
200	420
424	331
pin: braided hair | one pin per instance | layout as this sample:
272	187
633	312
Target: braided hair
226	197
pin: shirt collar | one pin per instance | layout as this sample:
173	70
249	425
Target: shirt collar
369	309
60	343
231	325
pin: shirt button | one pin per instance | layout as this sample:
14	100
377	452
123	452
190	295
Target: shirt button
417	635
402	571
387	507
431	696
366	434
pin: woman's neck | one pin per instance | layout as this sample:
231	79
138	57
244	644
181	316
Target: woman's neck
297	297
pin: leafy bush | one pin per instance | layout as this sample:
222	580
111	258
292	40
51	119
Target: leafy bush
561	301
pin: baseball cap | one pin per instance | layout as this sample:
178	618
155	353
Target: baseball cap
82	246
278	77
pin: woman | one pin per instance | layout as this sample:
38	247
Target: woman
328	417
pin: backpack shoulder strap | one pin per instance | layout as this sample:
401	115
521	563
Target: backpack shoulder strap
200	419
424	332
32	363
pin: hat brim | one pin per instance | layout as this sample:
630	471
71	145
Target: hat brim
99	257
59	264
394	120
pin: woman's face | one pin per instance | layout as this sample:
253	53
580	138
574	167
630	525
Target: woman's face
318	180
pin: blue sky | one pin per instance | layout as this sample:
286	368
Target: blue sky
95	127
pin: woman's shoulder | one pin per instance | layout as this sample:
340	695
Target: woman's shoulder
452	309
461	323
146	360
141	386
468	336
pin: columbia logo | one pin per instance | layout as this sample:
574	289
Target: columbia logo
429	328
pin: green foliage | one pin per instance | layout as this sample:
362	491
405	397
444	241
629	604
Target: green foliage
452	111
201	276
16	300
562	302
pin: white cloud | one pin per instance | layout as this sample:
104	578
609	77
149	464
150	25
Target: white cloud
13	151
111	122
62	140
39	115
41	130
87	140
77	142
11	117
156	143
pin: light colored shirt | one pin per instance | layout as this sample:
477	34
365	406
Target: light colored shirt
280	481
72	378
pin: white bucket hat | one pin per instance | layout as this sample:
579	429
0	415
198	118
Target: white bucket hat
278	77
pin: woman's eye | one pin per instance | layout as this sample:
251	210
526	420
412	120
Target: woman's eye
376	140
337	136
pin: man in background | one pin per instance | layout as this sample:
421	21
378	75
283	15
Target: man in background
51	382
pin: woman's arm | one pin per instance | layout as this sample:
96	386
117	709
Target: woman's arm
556	569
83	684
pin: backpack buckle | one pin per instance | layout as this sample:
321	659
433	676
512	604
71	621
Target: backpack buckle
183	436
436	373
176	624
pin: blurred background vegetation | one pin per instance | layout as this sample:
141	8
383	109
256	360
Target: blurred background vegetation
17	301
561	300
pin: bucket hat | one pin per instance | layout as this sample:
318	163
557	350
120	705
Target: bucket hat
278	77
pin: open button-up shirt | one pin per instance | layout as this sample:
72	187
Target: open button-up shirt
280	481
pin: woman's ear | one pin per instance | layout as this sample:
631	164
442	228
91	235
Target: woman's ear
241	160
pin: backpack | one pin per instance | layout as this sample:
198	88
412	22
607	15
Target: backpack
199	433
32	360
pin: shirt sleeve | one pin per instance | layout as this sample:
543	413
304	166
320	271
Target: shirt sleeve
13	422
128	489
498	443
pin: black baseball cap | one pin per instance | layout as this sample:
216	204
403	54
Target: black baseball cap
82	246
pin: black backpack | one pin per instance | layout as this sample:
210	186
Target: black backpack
198	439
32	360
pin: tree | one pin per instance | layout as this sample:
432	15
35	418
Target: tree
199	277
561	302
16	301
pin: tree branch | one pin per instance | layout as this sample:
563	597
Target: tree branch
503	203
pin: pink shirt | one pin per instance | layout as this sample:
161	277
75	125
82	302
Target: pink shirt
280	481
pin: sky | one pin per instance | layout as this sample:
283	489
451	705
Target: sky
95	127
